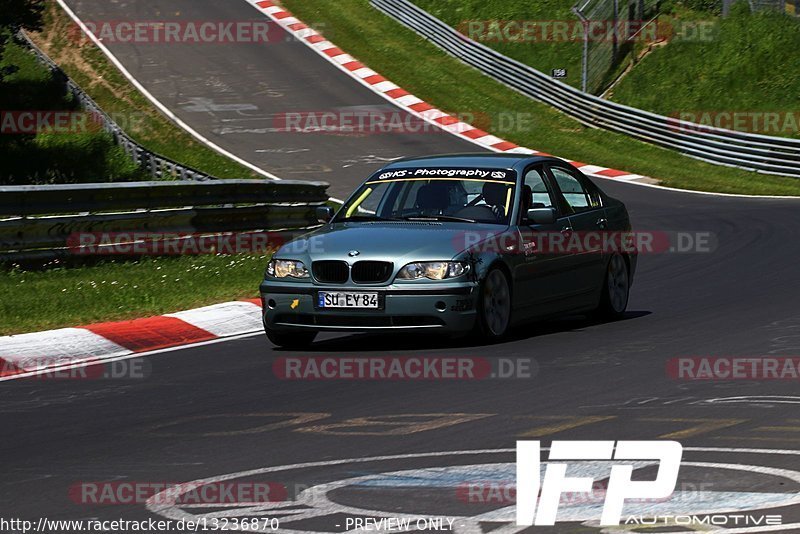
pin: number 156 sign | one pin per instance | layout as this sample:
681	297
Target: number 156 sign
620	486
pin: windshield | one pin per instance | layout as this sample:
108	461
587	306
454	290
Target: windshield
462	195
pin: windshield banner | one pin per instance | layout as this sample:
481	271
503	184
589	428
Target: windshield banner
446	172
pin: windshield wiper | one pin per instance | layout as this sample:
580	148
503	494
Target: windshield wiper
439	218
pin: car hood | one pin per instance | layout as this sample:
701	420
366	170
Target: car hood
400	241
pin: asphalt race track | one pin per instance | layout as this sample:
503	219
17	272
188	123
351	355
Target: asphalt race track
219	409
236	94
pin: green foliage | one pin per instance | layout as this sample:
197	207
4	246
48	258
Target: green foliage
16	14
543	55
105	84
423	69
60	295
749	63
713	7
25	14
66	158
86	155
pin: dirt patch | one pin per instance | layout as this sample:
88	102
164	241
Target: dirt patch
65	43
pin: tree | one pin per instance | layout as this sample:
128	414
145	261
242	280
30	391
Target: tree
15	15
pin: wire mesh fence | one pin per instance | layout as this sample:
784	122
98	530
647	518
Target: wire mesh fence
789	6
609	27
756	152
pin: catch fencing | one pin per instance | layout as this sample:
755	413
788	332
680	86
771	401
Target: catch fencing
601	56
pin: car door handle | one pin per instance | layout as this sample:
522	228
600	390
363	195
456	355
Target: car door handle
602	222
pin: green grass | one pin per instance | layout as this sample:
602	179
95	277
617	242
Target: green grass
752	64
57	295
41	158
116	290
89	67
542	55
422	68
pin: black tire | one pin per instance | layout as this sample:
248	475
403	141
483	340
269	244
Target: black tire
494	305
616	289
291	340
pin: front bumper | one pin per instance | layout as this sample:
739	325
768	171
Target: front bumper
446	307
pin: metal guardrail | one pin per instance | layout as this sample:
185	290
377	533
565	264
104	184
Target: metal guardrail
38	221
761	153
156	165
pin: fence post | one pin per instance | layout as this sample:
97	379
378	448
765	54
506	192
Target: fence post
754	152
615	22
585	59
585	65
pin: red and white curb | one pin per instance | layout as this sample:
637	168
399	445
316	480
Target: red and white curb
405	100
25	355
42	352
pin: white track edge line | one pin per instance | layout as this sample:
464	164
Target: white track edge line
99	361
161	107
416	114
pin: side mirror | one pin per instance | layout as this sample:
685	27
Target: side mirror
541	216
324	214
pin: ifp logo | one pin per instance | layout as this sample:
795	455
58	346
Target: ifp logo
620	486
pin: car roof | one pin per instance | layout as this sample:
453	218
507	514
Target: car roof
479	160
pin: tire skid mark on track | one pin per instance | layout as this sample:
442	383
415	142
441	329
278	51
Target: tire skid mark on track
421	109
405	100
75	347
319	505
153	100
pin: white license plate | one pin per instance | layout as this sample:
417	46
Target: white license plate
338	299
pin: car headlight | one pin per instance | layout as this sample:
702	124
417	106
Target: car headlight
287	268
434	270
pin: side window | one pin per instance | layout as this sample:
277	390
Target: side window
540	197
578	197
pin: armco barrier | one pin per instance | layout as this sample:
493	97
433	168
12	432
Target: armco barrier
156	165
761	153
36	221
